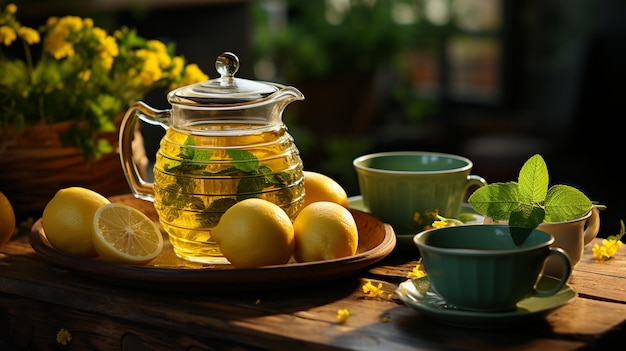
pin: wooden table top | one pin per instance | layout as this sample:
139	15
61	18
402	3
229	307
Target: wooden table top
38	298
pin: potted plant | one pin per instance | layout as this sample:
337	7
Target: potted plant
62	98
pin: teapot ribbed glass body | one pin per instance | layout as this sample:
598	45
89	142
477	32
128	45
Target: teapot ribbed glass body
198	176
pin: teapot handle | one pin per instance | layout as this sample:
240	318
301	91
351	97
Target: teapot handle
141	188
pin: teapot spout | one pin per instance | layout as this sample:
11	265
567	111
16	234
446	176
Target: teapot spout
284	97
290	93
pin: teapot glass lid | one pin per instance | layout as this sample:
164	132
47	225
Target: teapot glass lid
227	89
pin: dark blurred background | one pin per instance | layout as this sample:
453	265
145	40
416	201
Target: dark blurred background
493	80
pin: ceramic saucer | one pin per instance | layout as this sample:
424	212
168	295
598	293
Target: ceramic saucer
431	304
405	240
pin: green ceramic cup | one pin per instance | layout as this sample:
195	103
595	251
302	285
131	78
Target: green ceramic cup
396	186
488	267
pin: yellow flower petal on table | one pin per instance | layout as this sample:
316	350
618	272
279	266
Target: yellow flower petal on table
343	315
373	291
417	271
64	336
607	250
609	246
439	224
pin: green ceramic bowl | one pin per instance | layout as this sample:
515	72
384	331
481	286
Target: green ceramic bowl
488	267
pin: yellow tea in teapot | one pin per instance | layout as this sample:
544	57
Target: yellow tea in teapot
199	175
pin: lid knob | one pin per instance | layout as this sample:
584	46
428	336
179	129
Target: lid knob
227	64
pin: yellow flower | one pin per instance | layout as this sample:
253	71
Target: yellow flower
11	8
80	66
160	52
84	75
63	34
151	70
177	67
373	291
29	35
417	218
107	48
343	315
417	271
7	35
609	246
64	337
193	74
57	45
51	21
439	224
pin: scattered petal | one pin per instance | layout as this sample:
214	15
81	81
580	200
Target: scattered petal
609	246
343	315
418	271
64	337
373	291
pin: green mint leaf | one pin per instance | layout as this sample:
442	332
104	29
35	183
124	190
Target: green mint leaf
530	202
244	160
187	153
221	205
496	200
533	180
249	187
564	203
192	153
527	216
520	234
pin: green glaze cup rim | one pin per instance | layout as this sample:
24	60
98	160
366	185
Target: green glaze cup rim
419	240
358	162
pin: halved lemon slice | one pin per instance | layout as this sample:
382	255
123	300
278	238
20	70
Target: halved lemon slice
126	235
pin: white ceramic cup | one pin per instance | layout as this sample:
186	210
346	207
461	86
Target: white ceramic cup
571	236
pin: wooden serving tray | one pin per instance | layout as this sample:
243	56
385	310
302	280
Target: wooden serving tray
170	273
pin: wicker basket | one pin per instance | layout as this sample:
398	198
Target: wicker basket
34	165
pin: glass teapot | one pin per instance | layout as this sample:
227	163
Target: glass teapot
225	141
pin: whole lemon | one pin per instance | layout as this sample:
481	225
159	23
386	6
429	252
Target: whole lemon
68	217
320	187
254	233
7	219
324	230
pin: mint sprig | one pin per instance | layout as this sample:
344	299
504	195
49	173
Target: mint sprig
252	177
529	201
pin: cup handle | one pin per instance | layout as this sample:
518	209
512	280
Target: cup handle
474	180
567	264
592	227
478	181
